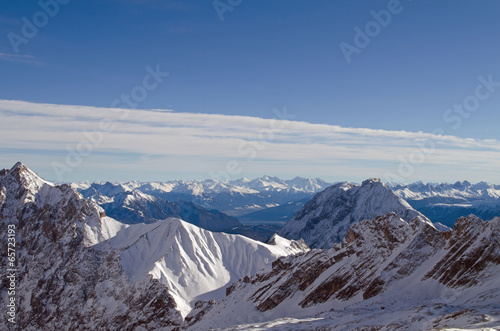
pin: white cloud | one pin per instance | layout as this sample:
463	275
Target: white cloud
28	59
212	140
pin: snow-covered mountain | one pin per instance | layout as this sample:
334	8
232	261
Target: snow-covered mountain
132	206
447	202
464	191
192	262
326	218
385	274
234	198
79	269
67	277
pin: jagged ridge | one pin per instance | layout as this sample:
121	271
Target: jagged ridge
385	260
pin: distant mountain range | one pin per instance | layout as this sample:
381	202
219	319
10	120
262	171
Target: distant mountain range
131	206
446	202
270	200
234	198
134	202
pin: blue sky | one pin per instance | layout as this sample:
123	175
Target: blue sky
263	55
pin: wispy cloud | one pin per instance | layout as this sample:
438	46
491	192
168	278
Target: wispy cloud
203	143
28	59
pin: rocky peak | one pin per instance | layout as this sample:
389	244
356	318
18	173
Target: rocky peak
326	218
467	224
371	181
22	181
67	274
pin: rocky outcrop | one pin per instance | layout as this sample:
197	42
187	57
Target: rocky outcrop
472	247
354	266
68	278
385	257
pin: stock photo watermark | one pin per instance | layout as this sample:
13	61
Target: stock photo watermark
48	10
471	102
121	106
372	29
250	148
454	115
11	273
223	6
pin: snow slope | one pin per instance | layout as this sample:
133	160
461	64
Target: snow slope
326	218
193	262
386	274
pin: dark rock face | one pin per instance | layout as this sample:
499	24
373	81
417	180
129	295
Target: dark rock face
200	309
470	252
68	278
374	255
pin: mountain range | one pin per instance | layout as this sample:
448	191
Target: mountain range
234	198
386	274
132	206
384	265
447	202
79	269
270	200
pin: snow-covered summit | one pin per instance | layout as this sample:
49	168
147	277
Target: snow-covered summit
19	173
67	276
192	262
326	218
371	180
